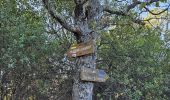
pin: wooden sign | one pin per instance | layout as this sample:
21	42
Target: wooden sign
80	49
95	75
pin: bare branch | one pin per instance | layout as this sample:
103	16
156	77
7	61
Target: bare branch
131	6
152	19
150	23
60	19
138	21
147	9
134	4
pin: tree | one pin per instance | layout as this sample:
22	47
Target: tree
32	49
132	59
87	14
24	51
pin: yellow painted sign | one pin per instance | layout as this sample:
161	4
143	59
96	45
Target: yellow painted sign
95	75
80	49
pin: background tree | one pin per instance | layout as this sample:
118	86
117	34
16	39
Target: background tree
33	46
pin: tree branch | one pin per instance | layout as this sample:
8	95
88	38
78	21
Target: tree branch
147	9
131	6
59	19
134	4
152	19
138	21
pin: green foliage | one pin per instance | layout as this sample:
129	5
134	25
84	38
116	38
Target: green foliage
157	4
25	50
30	61
65	5
133	61
163	1
134	56
142	5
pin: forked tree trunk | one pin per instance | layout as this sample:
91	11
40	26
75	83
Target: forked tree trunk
84	20
87	13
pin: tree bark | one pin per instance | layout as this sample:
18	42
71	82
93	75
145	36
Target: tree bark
84	19
87	13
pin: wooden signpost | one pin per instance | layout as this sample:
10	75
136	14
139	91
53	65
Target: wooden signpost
80	49
87	74
95	75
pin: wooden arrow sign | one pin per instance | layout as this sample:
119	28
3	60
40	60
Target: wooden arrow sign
80	49
95	75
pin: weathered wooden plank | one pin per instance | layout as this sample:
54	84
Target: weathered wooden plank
80	49
95	75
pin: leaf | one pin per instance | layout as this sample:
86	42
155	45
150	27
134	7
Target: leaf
142	5
157	4
163	1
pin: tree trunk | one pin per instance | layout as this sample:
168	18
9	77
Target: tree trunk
86	15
